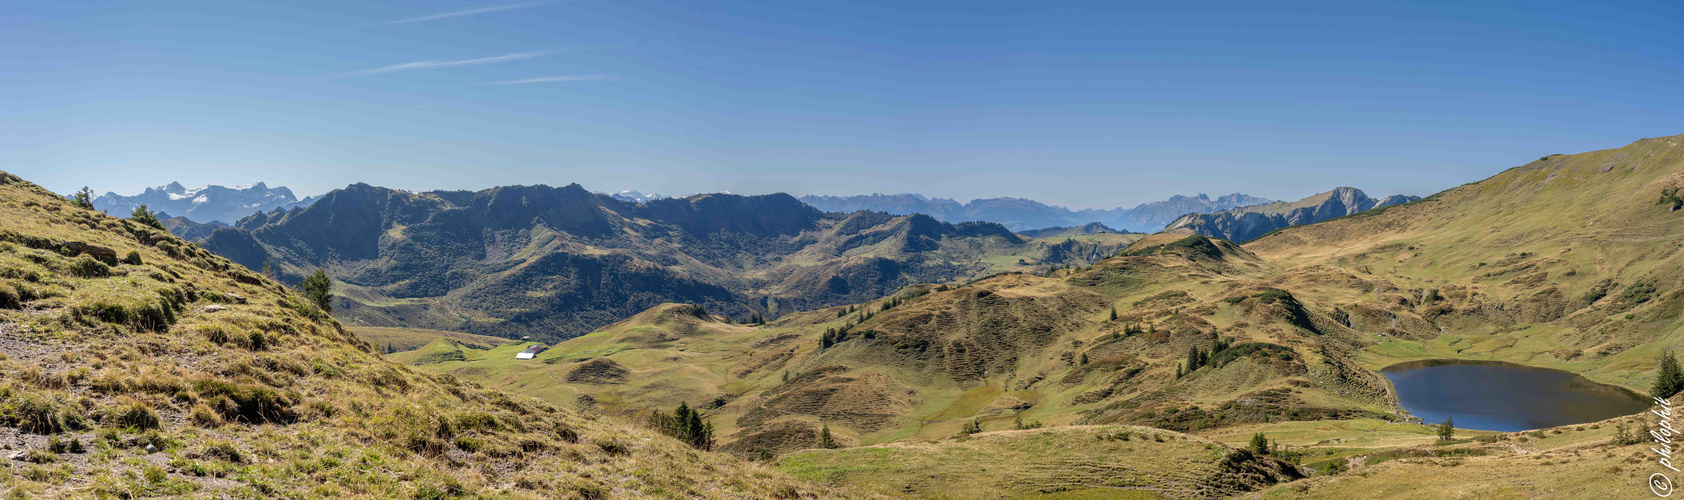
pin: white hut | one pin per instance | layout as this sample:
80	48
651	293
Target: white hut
530	352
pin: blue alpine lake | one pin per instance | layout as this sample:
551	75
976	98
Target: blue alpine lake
1507	397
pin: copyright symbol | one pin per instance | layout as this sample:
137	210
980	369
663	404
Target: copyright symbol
1660	484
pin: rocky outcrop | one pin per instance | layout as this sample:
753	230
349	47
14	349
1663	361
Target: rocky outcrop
1246	223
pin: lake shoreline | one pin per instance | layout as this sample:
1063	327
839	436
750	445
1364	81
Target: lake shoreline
1503	396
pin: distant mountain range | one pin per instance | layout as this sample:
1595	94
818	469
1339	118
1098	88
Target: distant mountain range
206	204
1246	223
554	262
1020	214
1062	232
186	228
230	204
636	197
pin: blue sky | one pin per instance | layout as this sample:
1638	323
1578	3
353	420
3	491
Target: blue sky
1082	104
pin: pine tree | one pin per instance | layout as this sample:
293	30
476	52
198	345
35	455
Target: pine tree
1670	379
684	425
1622	434
83	198
1259	444
700	433
1113	313
318	287
1446	429
826	440
681	415
1084	359
1178	372
145	217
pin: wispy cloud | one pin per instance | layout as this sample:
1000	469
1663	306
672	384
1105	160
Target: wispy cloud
460	13
436	64
549	79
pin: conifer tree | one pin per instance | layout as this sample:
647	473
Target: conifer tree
1446	429
145	217
826	440
84	198
1259	444
318	287
1670	379
1113	313
685	425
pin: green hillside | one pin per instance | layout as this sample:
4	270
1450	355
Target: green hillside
406	339
996	350
1568	262
1100	462
135	364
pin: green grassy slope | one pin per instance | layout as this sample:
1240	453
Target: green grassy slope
1063	463
1567	262
168	371
406	339
996	350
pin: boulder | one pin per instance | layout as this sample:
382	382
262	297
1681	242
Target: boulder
104	254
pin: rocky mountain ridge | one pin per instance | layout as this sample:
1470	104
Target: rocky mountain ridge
556	262
206	204
1020	214
1246	223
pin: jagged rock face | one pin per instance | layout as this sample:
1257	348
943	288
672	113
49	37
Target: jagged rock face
1020	214
203	205
553	262
1246	223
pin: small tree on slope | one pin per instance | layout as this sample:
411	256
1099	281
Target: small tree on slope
318	287
1670	378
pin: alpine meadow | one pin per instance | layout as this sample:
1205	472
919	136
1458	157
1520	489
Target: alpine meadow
420	250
